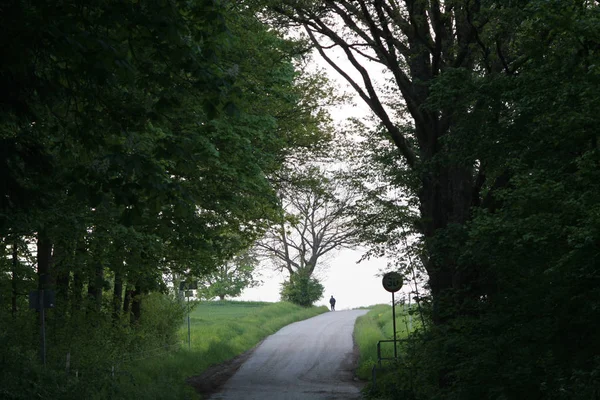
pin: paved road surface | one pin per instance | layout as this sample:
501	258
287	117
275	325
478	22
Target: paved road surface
307	360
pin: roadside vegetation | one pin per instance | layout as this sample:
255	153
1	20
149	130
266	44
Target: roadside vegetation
377	325
100	368
224	329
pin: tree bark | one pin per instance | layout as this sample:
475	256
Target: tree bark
77	291
445	199
44	261
62	272
129	291
14	278
95	284
136	304
117	296
79	274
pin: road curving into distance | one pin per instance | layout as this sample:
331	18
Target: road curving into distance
307	360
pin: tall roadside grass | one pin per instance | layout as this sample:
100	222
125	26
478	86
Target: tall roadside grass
377	325
222	330
219	331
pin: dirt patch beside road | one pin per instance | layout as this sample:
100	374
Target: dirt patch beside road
215	376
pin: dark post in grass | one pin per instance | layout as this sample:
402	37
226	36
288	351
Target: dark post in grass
188	286
40	300
188	293
392	282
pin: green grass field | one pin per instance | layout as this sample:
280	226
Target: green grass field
219	332
232	327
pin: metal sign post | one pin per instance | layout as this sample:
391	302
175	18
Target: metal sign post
392	282
189	327
42	327
183	286
394	323
409	315
40	300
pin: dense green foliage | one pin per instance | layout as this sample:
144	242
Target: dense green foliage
302	289
535	244
83	350
137	144
230	278
524	327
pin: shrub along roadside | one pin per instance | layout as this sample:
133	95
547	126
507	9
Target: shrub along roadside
85	349
302	289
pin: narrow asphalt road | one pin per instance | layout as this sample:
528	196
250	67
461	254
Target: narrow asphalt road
307	360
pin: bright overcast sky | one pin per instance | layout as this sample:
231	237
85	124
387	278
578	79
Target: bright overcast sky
353	285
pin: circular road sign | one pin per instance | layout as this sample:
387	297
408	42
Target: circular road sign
392	282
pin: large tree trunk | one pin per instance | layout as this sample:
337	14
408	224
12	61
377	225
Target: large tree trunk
62	272
44	261
95	284
129	293
117	268
14	278
117	296
77	290
445	199
79	274
136	303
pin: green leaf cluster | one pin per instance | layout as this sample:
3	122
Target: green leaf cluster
302	289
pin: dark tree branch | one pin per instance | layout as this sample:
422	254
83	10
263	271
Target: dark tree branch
371	98
320	224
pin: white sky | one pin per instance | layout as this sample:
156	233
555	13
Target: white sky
353	285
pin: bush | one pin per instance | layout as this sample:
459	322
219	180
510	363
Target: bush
102	352
161	318
301	289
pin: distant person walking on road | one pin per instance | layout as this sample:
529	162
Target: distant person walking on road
332	302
